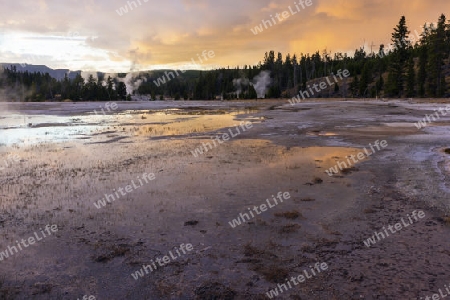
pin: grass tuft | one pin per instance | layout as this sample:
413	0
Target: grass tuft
290	228
291	215
317	180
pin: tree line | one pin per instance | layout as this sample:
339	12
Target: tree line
408	67
37	86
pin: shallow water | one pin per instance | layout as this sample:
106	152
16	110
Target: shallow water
42	123
75	157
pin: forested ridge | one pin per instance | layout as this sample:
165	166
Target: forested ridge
410	66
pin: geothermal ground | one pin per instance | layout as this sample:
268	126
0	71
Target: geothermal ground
58	160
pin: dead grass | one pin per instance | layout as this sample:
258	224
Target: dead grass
330	230
446	220
272	273
264	263
317	180
9	293
191	223
308	199
214	290
290	228
291	215
111	253
369	211
42	288
249	250
347	171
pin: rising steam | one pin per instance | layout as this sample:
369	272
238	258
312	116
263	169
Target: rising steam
239	84
260	82
132	81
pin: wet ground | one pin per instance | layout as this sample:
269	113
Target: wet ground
58	159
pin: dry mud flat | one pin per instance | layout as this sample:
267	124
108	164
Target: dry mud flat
192	200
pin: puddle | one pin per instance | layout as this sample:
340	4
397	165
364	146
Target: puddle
390	129
31	129
321	133
400	124
182	124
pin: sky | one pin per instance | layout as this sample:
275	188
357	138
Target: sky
122	36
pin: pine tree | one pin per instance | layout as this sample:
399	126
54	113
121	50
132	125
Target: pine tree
365	80
436	51
399	58
354	86
422	74
411	78
112	94
90	89
336	88
122	91
252	92
379	84
391	88
78	87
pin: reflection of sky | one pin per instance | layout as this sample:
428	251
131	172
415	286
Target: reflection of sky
14	128
24	126
31	136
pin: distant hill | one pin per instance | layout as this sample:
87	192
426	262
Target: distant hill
55	73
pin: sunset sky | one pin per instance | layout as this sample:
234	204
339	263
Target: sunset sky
91	34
